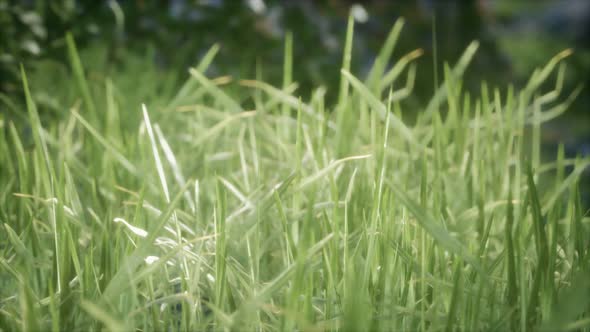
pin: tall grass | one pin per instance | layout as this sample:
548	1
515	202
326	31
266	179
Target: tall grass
196	211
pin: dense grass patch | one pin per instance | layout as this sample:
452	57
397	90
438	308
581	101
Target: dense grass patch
237	205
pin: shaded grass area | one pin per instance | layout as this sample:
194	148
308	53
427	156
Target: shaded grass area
238	205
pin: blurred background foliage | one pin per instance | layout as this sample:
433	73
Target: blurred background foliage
172	35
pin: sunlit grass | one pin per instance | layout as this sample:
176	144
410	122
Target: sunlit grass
236	205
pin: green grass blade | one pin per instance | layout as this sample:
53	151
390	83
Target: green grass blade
441	93
81	81
230	104
101	315
381	110
435	230
374	78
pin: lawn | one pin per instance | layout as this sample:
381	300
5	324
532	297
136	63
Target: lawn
230	204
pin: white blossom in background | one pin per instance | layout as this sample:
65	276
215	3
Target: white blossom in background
258	6
359	13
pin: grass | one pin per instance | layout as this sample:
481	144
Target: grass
236	205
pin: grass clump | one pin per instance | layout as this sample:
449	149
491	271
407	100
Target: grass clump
239	206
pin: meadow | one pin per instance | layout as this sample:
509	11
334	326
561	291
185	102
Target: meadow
233	204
